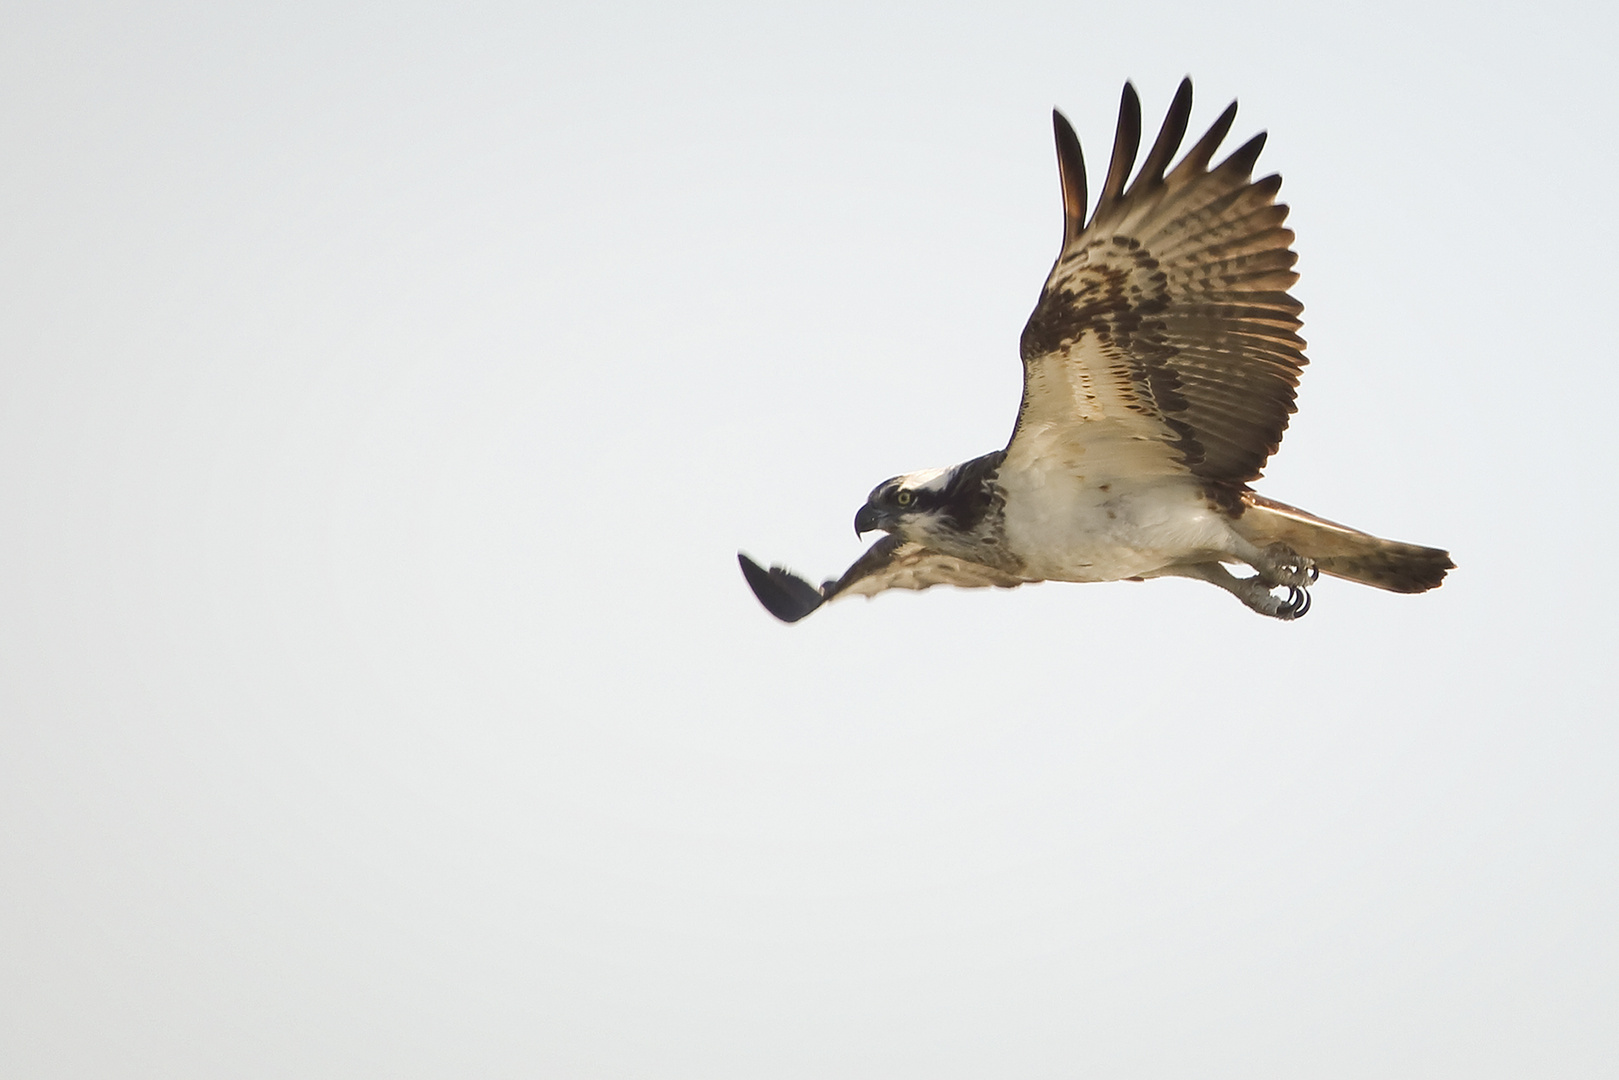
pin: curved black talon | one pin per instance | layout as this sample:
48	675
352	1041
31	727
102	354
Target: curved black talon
1298	602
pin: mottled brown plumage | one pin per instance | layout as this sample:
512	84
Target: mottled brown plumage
1167	317
1159	372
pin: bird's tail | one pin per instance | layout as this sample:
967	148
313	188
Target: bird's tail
1341	551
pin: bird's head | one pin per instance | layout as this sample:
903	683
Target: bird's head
905	505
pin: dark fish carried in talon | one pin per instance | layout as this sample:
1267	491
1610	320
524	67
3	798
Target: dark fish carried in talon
1159	371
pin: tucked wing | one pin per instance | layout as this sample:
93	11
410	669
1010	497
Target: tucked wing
890	563
1165	340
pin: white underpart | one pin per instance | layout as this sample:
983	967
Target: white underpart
1067	527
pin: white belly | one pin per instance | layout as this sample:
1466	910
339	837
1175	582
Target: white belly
1066	529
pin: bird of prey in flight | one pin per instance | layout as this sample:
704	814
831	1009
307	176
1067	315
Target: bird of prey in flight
1159	370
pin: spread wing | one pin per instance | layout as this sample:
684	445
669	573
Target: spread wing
1165	341
890	563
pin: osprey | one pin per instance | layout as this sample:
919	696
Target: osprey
1159	370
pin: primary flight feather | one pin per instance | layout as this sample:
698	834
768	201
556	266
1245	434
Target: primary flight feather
1159	371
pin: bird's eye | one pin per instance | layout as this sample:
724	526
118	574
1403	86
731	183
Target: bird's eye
905	498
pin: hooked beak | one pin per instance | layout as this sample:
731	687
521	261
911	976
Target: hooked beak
867	519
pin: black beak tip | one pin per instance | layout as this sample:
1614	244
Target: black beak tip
866	520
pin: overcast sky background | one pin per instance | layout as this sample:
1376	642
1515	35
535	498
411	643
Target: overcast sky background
385	395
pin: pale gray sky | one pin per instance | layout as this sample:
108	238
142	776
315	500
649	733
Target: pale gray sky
387	392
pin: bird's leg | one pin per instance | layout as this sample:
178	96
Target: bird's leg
1279	564
1254	591
1288	567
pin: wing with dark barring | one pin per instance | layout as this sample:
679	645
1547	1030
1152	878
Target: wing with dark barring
890	563
1165	340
